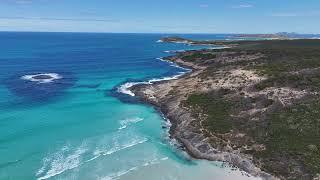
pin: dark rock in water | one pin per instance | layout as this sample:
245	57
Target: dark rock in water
42	77
39	86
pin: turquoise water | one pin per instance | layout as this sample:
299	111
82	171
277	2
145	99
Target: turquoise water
75	126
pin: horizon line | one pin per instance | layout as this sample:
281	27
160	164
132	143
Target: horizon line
204	33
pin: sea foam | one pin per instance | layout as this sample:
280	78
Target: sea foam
51	77
125	88
120	173
123	146
98	153
60	162
127	122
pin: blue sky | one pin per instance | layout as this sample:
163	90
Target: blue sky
164	16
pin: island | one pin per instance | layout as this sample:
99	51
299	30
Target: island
254	105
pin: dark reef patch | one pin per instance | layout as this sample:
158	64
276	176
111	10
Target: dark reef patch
42	77
39	86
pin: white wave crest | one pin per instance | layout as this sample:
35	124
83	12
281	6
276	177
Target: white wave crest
154	161
118	174
179	67
125	146
164	60
125	88
50	77
219	47
126	122
117	148
123	172
60	162
175	51
174	65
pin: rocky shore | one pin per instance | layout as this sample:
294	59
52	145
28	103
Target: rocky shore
195	142
227	77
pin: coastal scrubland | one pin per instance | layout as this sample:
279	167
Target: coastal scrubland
258	100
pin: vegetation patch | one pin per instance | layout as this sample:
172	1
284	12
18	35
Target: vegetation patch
279	127
295	131
216	108
310	81
199	56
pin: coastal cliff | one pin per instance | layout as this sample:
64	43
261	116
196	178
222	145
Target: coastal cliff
254	106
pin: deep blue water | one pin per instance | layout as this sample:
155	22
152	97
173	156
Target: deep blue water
72	126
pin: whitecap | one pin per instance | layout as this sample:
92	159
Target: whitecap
179	67
219	47
50	77
126	122
154	161
116	148
166	78
125	146
118	174
125	88
164	60
164	159
175	51
174	64
60	162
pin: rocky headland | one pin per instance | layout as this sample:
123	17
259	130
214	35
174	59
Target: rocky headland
254	105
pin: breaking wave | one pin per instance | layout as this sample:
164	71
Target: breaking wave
127	122
124	172
125	88
42	77
117	148
60	162
68	158
118	174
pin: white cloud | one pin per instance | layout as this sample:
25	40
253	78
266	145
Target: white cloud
204	5
17	1
243	6
58	19
284	15
296	14
23	1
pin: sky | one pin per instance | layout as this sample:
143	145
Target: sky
161	16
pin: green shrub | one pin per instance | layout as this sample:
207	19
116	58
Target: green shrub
216	108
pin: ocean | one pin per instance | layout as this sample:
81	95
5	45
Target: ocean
64	113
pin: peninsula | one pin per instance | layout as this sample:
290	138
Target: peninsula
254	105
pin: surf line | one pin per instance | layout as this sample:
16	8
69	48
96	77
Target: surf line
125	88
